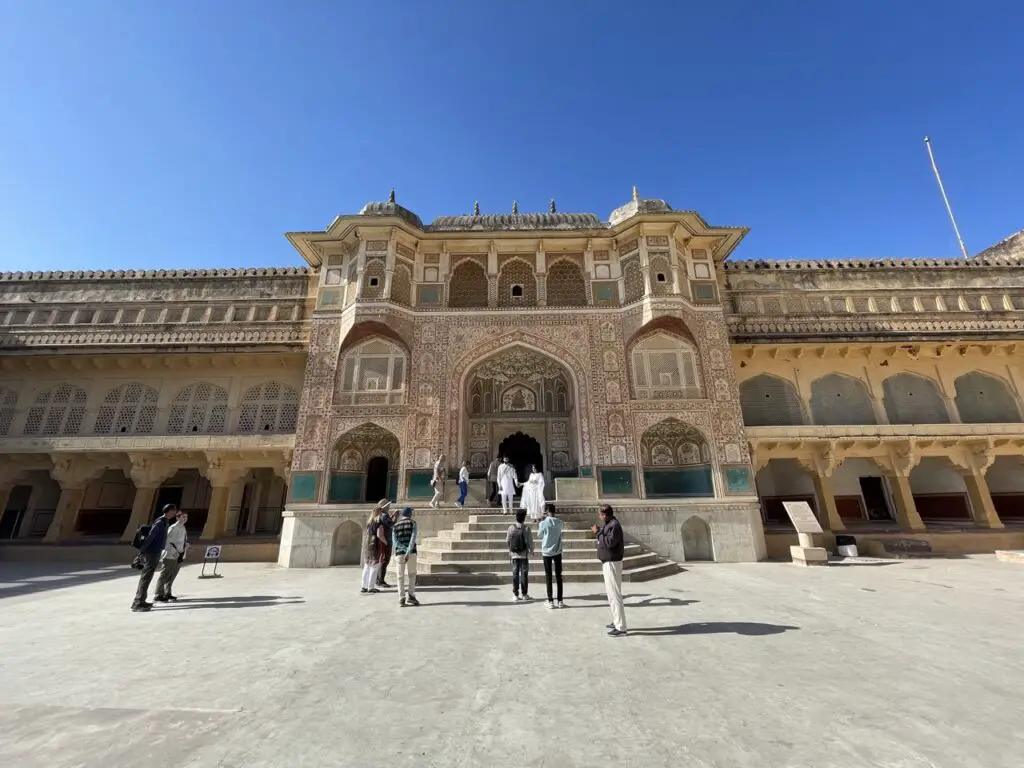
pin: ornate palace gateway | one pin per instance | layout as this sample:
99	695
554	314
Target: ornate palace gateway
626	359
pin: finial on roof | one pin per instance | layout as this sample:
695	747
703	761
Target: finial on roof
391	196
552	206
476	207
515	207
636	195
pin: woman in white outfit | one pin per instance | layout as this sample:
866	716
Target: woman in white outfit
437	482
533	495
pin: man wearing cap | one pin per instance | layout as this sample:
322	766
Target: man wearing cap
150	551
403	543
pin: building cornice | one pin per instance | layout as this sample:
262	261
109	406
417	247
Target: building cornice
762	265
156	274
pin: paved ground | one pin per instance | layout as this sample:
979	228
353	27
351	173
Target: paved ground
903	664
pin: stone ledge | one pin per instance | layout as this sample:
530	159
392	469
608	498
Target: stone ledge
276	442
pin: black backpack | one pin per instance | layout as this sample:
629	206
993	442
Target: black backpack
517	541
141	534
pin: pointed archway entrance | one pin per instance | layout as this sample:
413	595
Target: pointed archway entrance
364	466
521	402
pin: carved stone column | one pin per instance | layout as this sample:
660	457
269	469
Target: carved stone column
975	463
73	473
147	473
221	476
820	466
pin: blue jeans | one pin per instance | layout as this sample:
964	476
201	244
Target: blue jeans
463	490
520	576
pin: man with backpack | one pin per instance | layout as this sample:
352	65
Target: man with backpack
174	555
151	545
520	545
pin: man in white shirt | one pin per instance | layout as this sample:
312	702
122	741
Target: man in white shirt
507	482
463	484
173	555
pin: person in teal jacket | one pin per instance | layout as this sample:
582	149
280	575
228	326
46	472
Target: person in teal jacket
550	531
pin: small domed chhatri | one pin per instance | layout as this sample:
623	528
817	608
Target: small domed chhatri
631	360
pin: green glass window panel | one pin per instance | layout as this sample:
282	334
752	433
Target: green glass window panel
689	482
737	479
586	471
429	295
303	486
418	485
329	298
617	482
345	487
393	486
704	291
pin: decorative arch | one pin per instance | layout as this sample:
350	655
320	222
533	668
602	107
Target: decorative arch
60	410
364	465
401	285
200	408
467	287
577	378
8	400
982	398
910	398
129	409
676	460
566	286
348	539
633	277
366	329
514	272
698	544
770	401
840	399
269	407
372	372
664	366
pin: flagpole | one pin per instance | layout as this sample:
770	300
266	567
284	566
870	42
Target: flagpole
945	199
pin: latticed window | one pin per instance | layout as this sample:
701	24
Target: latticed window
837	399
270	407
373	280
129	409
912	399
468	285
768	401
401	285
373	372
517	272
57	411
665	367
661	276
566	287
200	408
984	399
634	281
8	399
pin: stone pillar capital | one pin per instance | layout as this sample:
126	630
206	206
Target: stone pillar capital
902	458
74	471
148	471
221	473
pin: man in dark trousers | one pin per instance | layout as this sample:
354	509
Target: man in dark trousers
387	522
610	547
150	551
492	482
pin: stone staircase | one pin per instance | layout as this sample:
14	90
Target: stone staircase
476	553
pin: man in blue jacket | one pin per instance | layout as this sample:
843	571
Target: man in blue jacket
151	549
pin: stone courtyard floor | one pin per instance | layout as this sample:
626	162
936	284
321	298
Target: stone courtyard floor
912	663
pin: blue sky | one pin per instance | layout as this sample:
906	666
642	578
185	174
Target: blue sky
194	133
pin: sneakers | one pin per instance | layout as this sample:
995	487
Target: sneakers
527	599
373	590
412	600
561	604
516	599
171	598
363	590
141	608
551	605
401	603
159	599
609	626
385	585
618	633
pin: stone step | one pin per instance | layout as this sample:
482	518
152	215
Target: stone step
437	555
460	562
502	528
498	542
504	576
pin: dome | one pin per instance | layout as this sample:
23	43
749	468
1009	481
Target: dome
638	206
391	208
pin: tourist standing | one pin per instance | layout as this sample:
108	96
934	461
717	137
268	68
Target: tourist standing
520	545
437	482
533	494
492	481
173	557
387	522
610	547
463	484
150	550
373	551
507	482
550	532
403	542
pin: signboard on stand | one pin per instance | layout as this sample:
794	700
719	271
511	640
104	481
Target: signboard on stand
213	553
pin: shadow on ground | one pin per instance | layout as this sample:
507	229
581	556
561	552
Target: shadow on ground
241	601
748	628
590	601
17	579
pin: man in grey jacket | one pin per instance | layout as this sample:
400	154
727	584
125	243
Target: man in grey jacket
610	549
173	556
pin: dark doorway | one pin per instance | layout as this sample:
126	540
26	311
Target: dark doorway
522	450
12	516
875	502
165	496
245	509
376	479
